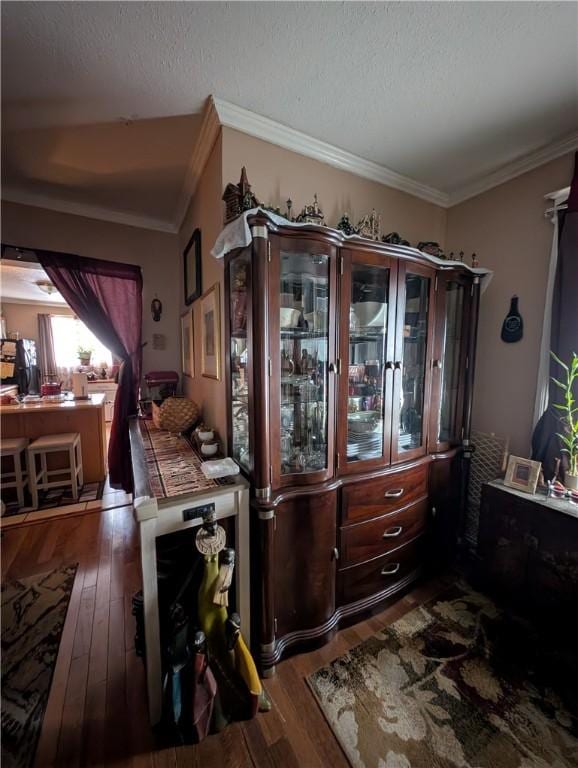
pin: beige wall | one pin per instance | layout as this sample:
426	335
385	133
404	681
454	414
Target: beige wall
507	229
276	174
505	226
24	317
155	252
205	212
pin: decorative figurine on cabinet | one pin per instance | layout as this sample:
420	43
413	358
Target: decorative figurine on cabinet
394	238
273	209
238	198
370	226
432	249
312	214
345	225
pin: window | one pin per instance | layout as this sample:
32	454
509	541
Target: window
69	334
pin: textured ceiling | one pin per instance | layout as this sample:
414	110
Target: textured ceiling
443	93
135	168
19	282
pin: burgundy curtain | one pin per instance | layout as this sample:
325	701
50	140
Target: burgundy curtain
107	297
564	334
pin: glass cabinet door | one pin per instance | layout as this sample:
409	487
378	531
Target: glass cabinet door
368	290
411	369
240	329
302	330
449	362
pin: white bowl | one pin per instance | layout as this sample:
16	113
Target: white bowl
361	422
317	320
205	436
289	318
370	313
209	449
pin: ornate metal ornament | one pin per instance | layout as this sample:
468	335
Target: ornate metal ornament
156	309
210	542
394	238
238	198
344	224
432	249
370	226
312	214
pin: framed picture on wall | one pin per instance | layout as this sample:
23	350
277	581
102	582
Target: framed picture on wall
211	333
187	344
192	267
522	474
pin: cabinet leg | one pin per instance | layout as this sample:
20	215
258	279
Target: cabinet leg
151	619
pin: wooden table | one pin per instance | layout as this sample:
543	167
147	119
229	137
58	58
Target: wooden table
160	514
86	417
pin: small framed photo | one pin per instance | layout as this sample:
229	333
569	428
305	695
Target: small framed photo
187	344
522	474
211	333
192	267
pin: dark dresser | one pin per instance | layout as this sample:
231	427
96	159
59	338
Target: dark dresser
528	554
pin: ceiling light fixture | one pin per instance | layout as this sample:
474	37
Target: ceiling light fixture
46	286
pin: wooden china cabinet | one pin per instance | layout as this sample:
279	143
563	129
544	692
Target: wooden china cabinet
350	368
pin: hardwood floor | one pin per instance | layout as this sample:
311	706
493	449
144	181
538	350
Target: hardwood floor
97	711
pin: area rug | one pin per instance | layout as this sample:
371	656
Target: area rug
33	615
57	497
455	682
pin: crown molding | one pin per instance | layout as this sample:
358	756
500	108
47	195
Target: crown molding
269	130
209	131
24	197
516	168
37	302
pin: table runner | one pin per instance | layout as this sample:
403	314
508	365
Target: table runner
173	465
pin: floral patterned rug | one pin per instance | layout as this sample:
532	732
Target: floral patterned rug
455	682
33	614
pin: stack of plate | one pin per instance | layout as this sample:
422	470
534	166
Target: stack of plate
368	445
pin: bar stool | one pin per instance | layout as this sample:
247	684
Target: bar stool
69	443
14	447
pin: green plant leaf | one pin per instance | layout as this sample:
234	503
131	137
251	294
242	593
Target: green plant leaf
557	359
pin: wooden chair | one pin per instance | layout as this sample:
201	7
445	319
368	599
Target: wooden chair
40	480
13	448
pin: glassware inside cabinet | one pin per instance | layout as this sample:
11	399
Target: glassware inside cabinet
367	351
452	346
304	347
239	298
415	330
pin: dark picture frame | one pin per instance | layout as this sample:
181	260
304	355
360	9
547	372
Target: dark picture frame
192	267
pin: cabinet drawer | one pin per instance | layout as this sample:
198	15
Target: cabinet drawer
372	498
380	535
361	581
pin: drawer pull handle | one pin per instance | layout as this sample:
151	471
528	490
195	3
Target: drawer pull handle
395	494
392	532
389	570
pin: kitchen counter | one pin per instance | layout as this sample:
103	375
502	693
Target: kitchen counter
46	417
9	389
94	401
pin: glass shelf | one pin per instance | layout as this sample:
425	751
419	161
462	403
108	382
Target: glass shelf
413	370
239	273
451	353
298	334
304	289
367	345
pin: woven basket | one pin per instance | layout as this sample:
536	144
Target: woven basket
175	414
